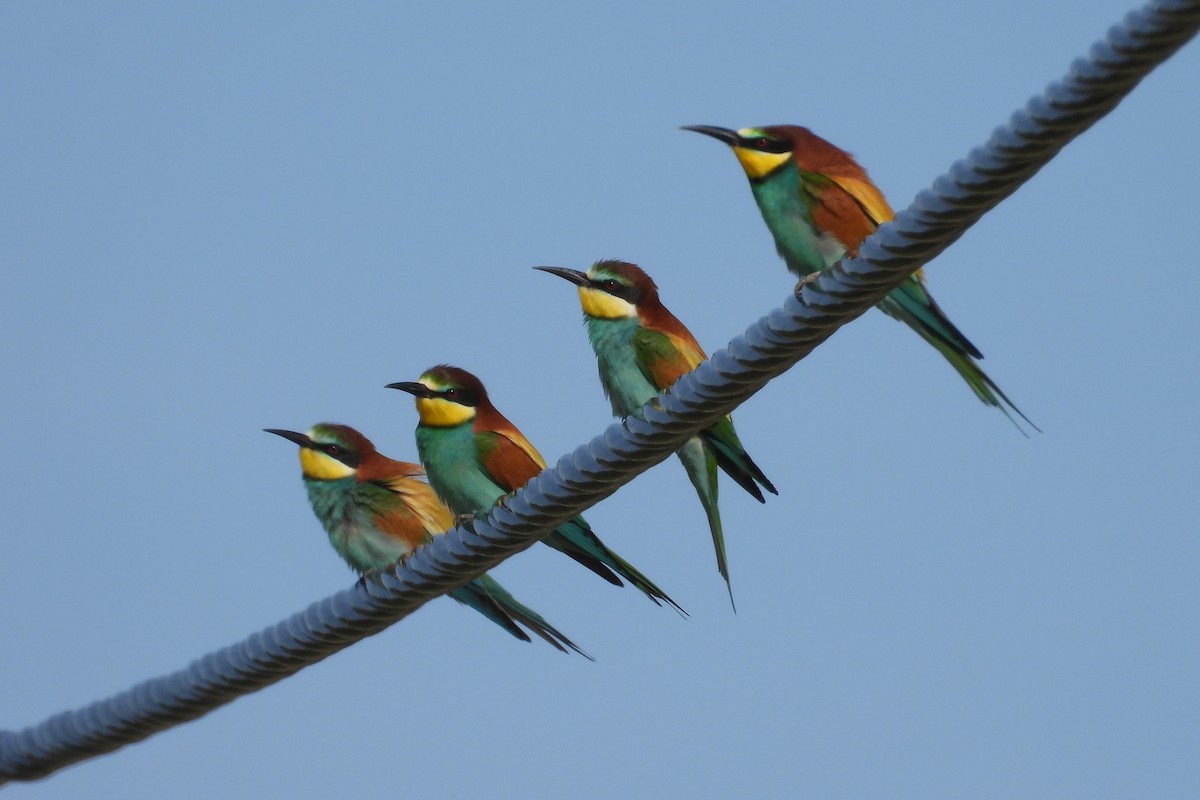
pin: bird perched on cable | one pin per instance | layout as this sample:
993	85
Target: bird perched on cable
474	457
642	349
820	206
377	511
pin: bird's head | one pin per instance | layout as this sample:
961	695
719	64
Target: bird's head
329	452
760	151
610	289
764	151
446	396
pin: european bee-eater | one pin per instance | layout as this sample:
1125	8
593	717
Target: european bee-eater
377	511
642	349
475	457
820	206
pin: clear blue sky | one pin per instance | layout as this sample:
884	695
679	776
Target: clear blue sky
240	216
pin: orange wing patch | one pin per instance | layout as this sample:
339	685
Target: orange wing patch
874	205
504	451
870	199
688	347
666	357
511	463
667	360
426	516
691	348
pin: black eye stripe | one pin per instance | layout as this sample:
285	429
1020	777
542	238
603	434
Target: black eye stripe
765	144
461	396
348	457
629	294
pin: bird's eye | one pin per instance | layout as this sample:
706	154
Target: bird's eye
451	394
762	143
332	449
611	285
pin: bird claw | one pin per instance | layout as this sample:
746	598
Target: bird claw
466	521
811	277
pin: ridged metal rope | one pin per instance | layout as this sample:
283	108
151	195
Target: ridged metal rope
594	471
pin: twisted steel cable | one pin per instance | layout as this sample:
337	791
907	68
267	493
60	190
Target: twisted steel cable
593	471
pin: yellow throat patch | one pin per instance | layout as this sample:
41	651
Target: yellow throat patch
322	467
757	163
603	305
438	413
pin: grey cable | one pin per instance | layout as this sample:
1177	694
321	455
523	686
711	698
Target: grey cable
593	471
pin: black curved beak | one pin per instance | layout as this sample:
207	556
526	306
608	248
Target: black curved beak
573	275
725	135
412	387
292	436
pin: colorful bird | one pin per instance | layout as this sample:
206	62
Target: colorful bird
642	349
475	457
820	206
377	511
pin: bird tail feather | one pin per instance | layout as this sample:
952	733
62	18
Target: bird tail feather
575	538
731	457
928	320
700	463
497	604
